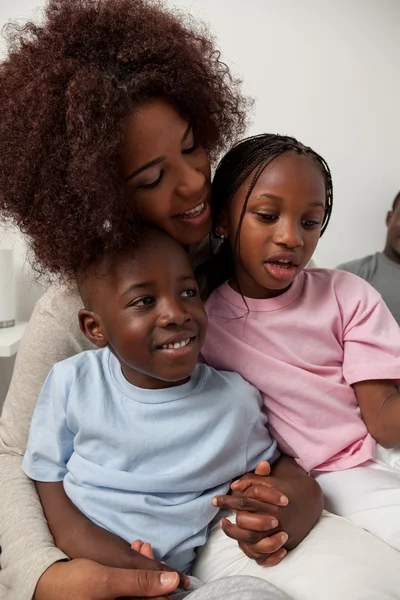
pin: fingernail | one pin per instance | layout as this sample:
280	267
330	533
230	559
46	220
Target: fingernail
283	500
214	502
284	538
282	553
168	579
274	523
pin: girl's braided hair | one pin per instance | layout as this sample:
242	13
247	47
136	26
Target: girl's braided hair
251	154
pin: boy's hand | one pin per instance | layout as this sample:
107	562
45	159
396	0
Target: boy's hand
255	502
268	519
144	548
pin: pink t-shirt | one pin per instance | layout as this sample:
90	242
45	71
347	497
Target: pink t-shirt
303	350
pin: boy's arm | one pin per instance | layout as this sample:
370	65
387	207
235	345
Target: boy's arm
379	402
76	535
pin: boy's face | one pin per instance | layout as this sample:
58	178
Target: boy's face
147	309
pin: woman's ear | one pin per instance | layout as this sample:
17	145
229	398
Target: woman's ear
90	325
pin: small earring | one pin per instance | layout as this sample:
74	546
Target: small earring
219	236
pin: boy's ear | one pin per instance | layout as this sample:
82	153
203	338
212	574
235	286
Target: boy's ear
90	325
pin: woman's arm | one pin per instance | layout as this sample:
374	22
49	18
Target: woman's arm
27	546
79	538
379	402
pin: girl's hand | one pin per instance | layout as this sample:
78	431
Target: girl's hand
264	514
82	579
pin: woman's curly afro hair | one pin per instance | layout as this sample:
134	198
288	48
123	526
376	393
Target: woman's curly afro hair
68	87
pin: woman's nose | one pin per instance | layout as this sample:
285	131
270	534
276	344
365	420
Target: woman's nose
191	181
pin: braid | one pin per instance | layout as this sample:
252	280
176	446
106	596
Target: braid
252	154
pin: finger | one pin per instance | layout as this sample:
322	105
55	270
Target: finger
245	502
266	494
256	522
147	550
273	559
129	582
260	544
137	545
254	479
145	563
241	485
270	544
263	468
241	535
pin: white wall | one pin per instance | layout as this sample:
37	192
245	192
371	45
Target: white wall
325	71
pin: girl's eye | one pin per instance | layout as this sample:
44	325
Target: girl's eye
143	302
310	224
266	217
153	184
191	293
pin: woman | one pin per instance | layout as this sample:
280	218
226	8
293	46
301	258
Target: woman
111	112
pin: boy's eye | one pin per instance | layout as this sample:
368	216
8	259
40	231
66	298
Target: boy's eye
143	302
190	293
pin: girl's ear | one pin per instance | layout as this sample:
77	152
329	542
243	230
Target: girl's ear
90	325
222	229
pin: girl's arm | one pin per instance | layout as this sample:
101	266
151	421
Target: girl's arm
379	402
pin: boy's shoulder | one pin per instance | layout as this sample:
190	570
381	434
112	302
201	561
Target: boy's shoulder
84	364
227	382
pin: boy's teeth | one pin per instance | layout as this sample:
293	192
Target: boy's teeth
195	211
176	345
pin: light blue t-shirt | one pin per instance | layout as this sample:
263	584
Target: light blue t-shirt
146	463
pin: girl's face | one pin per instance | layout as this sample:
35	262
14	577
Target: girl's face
167	173
281	225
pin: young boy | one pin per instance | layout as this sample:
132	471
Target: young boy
142	436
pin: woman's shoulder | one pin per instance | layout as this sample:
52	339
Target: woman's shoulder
55	317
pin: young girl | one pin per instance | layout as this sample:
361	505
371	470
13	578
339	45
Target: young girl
320	344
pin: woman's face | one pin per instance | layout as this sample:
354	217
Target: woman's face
166	173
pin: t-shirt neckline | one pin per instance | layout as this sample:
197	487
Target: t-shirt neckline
264	304
147	396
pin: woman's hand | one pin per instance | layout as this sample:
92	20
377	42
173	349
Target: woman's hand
272	511
83	579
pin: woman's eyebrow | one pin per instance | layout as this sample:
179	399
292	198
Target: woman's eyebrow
152	163
157	160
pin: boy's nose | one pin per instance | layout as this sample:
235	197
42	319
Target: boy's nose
173	313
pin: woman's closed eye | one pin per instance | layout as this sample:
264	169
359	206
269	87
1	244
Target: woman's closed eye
152	184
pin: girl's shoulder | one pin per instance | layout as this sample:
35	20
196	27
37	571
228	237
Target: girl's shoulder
346	287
